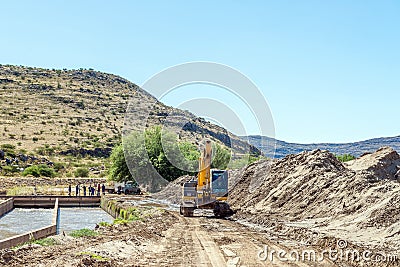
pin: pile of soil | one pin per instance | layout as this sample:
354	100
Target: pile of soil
383	164
172	193
358	201
299	186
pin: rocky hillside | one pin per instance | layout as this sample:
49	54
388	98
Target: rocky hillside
69	119
356	148
70	110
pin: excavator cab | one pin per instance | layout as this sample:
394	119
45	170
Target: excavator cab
219	184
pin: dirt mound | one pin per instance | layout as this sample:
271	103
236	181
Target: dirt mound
358	201
383	164
292	186
172	193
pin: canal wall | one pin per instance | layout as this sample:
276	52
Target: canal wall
29	236
6	206
48	201
35	234
116	209
109	206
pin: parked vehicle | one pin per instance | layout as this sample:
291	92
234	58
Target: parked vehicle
128	188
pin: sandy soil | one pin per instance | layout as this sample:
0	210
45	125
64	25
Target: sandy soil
304	210
163	239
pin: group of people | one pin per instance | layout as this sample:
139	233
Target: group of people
96	189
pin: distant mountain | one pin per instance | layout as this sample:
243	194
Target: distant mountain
356	148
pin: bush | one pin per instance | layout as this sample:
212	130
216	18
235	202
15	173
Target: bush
81	172
8	149
45	150
9	169
345	157
39	170
7	146
58	166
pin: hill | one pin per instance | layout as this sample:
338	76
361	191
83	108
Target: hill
62	115
356	148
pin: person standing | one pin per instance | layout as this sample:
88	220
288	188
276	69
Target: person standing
103	189
77	190
84	190
98	189
93	190
69	190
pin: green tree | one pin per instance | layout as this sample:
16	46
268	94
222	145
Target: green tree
243	161
345	157
153	150
119	170
221	158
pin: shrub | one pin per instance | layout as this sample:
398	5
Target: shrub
7	146
39	170
58	166
81	172
45	150
8	150
345	157
9	169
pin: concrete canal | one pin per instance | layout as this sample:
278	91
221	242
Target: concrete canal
22	220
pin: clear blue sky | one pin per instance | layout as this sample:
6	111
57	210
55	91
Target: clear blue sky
330	70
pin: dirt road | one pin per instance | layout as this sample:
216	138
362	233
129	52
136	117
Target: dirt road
207	241
163	238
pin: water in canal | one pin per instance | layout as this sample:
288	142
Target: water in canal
20	221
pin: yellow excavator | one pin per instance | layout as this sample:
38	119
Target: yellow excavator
208	191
